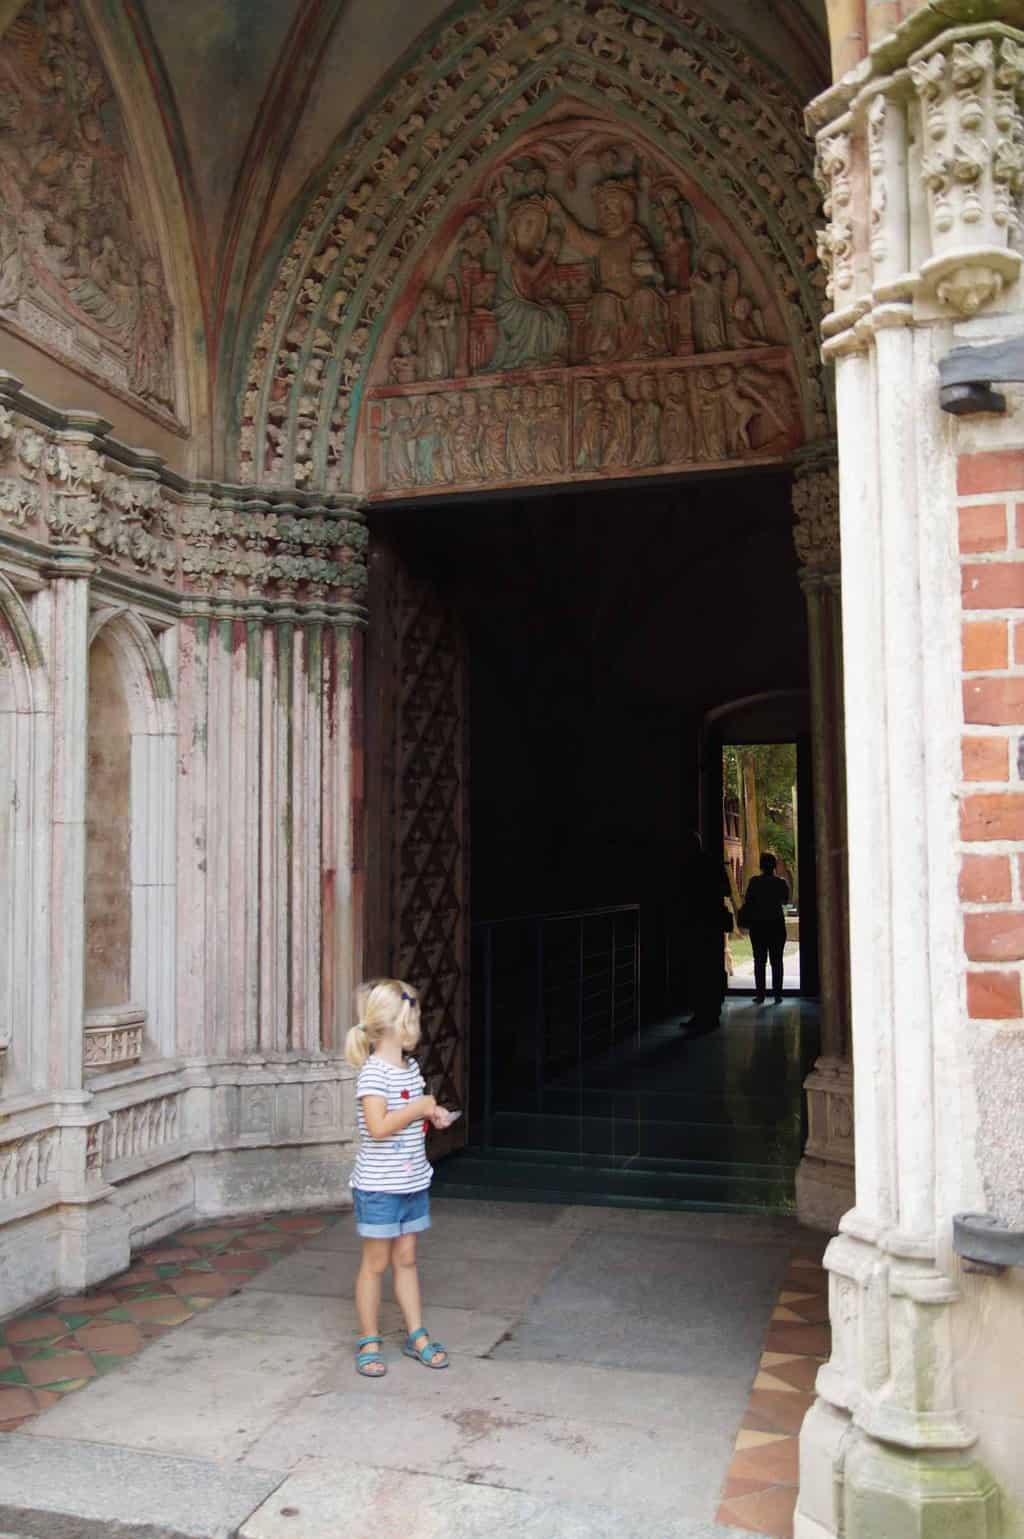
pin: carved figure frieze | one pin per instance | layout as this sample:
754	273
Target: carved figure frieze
581	423
27	1164
143	1129
561	258
79	271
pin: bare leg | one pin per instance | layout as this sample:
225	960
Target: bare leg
376	1255
407	1286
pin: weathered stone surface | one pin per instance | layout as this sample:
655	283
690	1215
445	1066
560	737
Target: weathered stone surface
53	1489
323	1502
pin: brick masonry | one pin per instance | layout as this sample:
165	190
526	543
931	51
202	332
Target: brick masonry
991	528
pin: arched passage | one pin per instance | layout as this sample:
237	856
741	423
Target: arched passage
130	820
26	728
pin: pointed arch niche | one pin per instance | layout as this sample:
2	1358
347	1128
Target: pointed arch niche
130	822
26	746
482	175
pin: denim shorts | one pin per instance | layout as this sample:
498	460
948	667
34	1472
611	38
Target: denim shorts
388	1215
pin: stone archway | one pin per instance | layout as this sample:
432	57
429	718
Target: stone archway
457	311
726	123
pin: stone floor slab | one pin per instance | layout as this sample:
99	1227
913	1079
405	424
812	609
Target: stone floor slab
322	1502
63	1490
642	1470
689	1306
197	1392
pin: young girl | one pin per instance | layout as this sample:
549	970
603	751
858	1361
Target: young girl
391	1179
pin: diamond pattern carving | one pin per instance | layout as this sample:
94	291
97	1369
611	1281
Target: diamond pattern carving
430	905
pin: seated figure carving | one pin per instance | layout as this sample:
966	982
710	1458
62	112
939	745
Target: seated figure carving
628	315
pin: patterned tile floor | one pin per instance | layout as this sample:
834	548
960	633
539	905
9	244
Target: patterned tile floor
53	1351
761	1488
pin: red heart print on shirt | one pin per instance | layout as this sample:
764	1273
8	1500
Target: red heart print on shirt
405	1095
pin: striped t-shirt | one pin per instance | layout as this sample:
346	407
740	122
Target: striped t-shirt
396	1164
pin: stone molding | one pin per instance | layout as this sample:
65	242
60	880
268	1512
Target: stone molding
138	1118
68	487
920	155
669	75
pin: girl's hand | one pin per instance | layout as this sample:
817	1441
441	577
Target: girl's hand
426	1106
441	1118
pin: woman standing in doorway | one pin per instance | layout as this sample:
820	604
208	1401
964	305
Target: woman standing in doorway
762	915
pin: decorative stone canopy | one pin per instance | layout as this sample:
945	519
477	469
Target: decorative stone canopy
677	87
921	160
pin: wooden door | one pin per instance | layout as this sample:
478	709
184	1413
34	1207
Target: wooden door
418	913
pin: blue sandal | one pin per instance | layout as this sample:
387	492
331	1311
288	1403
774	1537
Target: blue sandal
364	1358
426	1355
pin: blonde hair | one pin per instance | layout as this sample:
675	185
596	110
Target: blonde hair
383	1005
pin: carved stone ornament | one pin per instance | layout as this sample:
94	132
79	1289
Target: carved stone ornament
579	244
835	241
79	269
27	1164
970	91
146	1128
78	487
816	507
112	1038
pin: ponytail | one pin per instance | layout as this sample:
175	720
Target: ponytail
357	1046
383	1005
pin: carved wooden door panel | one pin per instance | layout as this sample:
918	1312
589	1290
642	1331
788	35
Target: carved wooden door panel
417	789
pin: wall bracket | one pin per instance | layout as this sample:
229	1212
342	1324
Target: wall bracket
985	1244
967	376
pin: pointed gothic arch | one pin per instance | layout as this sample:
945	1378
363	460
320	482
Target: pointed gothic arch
26	743
721	116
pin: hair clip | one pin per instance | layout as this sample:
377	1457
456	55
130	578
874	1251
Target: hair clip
409	999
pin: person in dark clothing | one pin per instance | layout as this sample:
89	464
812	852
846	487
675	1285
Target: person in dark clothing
705	887
763	917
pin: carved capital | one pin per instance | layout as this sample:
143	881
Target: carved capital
816	510
970	90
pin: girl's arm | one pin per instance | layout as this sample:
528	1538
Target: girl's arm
381	1124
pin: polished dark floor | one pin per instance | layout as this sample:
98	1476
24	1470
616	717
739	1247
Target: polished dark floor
659	1121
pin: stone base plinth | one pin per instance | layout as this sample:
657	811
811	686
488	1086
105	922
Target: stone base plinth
825	1187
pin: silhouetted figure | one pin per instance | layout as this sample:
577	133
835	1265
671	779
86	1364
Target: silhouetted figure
764	918
705	887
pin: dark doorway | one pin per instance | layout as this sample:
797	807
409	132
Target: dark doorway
602	631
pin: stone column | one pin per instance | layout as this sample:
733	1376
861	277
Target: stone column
920	157
825	1185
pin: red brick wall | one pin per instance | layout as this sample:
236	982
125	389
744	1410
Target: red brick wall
991	513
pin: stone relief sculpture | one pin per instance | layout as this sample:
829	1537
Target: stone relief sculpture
584	321
593	424
712	117
77	270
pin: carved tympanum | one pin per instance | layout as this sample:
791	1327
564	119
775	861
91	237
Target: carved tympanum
78	271
483	245
584	320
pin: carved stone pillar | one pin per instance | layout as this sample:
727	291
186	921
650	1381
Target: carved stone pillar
921	154
825	1184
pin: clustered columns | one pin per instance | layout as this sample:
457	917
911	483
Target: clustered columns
825	1178
921	161
267	655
